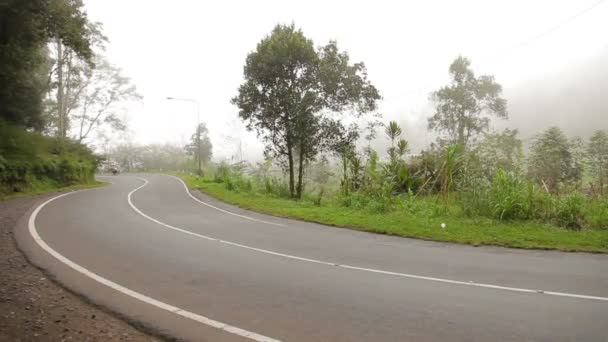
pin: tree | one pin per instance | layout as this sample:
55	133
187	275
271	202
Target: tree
69	77
292	92
597	154
396	169
27	27
343	146
104	89
463	109
551	160
501	150
206	148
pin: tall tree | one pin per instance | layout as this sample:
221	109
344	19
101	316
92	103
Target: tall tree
206	148
27	27
68	78
103	90
464	107
551	160
597	154
291	91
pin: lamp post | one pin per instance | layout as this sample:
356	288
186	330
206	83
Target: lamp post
198	129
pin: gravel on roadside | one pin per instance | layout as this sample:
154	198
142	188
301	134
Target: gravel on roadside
35	308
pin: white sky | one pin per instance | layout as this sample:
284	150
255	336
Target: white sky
197	49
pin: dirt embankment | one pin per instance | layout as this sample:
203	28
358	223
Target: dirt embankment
35	308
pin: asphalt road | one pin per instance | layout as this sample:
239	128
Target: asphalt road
192	267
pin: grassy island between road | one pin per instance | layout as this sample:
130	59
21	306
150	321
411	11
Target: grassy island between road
407	221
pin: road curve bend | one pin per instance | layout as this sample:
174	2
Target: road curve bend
199	269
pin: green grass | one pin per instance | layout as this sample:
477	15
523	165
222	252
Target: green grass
47	187
472	231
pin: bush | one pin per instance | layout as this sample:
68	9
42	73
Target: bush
475	200
317	199
510	197
598	213
276	187
355	200
569	211
378	206
419	206
222	173
30	161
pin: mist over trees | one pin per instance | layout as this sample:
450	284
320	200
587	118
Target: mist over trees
206	148
573	98
129	157
464	108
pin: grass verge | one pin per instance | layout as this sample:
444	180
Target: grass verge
47	189
472	231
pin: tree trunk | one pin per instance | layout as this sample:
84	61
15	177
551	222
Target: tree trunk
461	124
291	173
300	173
60	90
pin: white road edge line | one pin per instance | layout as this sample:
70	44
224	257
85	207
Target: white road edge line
141	297
398	274
223	210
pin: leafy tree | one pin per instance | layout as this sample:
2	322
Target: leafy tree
103	90
463	109
501	150
597	154
69	77
206	151
290	91
343	145
551	160
27	26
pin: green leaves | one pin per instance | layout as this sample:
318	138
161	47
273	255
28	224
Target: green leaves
27	26
291	93
597	154
551	160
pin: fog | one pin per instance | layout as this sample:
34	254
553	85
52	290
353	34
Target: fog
549	56
573	98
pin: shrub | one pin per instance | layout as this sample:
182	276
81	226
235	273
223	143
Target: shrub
378	205
276	187
475	200
29	160
598	214
419	206
569	211
222	173
317	200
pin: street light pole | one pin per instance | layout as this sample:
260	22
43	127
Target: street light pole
198	129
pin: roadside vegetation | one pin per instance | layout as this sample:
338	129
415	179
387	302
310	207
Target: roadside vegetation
509	212
57	92
316	113
472	185
31	163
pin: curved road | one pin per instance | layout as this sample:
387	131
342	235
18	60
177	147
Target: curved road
202	270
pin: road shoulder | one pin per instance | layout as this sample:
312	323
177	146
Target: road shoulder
33	306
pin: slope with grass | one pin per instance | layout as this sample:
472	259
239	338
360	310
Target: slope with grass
31	163
414	221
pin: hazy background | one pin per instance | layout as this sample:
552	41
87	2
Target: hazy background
550	56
